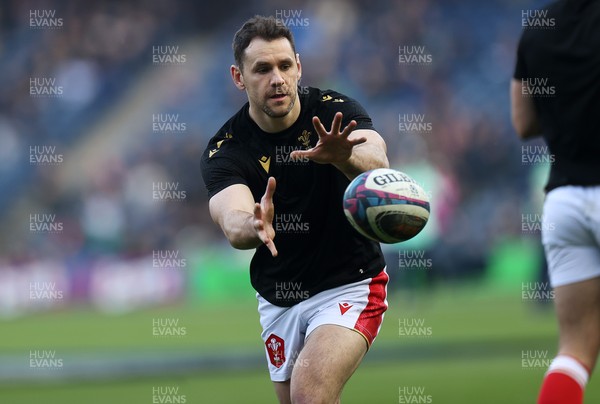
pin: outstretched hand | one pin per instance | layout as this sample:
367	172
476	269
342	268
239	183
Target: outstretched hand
263	217
333	146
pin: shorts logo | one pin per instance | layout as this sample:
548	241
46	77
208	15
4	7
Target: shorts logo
276	350
344	307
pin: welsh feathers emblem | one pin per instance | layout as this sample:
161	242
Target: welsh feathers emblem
276	350
304	138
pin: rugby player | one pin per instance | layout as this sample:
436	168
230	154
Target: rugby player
275	174
556	92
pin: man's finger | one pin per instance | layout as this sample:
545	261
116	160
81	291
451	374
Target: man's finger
321	131
266	240
257	212
271	246
357	141
349	128
336	124
271	184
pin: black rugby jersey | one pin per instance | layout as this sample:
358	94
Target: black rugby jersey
559	56
318	249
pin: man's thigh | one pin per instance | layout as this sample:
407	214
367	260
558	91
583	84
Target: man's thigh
330	356
570	234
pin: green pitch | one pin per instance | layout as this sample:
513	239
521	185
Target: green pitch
469	347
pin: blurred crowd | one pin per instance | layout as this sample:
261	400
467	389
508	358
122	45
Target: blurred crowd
101	49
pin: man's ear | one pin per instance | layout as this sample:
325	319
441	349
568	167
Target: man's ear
299	66
236	76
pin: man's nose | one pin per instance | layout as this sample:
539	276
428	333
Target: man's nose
277	78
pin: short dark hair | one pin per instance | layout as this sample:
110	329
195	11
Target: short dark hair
267	28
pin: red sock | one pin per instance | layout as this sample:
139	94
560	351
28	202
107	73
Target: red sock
564	382
559	388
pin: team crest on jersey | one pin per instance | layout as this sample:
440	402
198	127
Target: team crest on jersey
304	138
276	350
265	163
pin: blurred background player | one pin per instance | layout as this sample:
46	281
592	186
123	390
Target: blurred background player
556	92
322	287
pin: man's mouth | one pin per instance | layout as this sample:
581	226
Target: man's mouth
278	97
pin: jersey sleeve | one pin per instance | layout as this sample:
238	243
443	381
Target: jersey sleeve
520	68
220	170
333	102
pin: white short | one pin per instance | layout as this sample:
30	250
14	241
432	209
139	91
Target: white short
359	306
571	234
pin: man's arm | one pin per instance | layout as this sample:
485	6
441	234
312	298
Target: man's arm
523	113
365	156
352	152
245	224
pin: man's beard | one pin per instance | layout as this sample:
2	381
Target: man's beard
274	114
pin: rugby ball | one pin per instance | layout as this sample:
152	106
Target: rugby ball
386	205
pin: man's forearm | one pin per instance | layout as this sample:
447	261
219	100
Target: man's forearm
366	156
239	230
524	116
